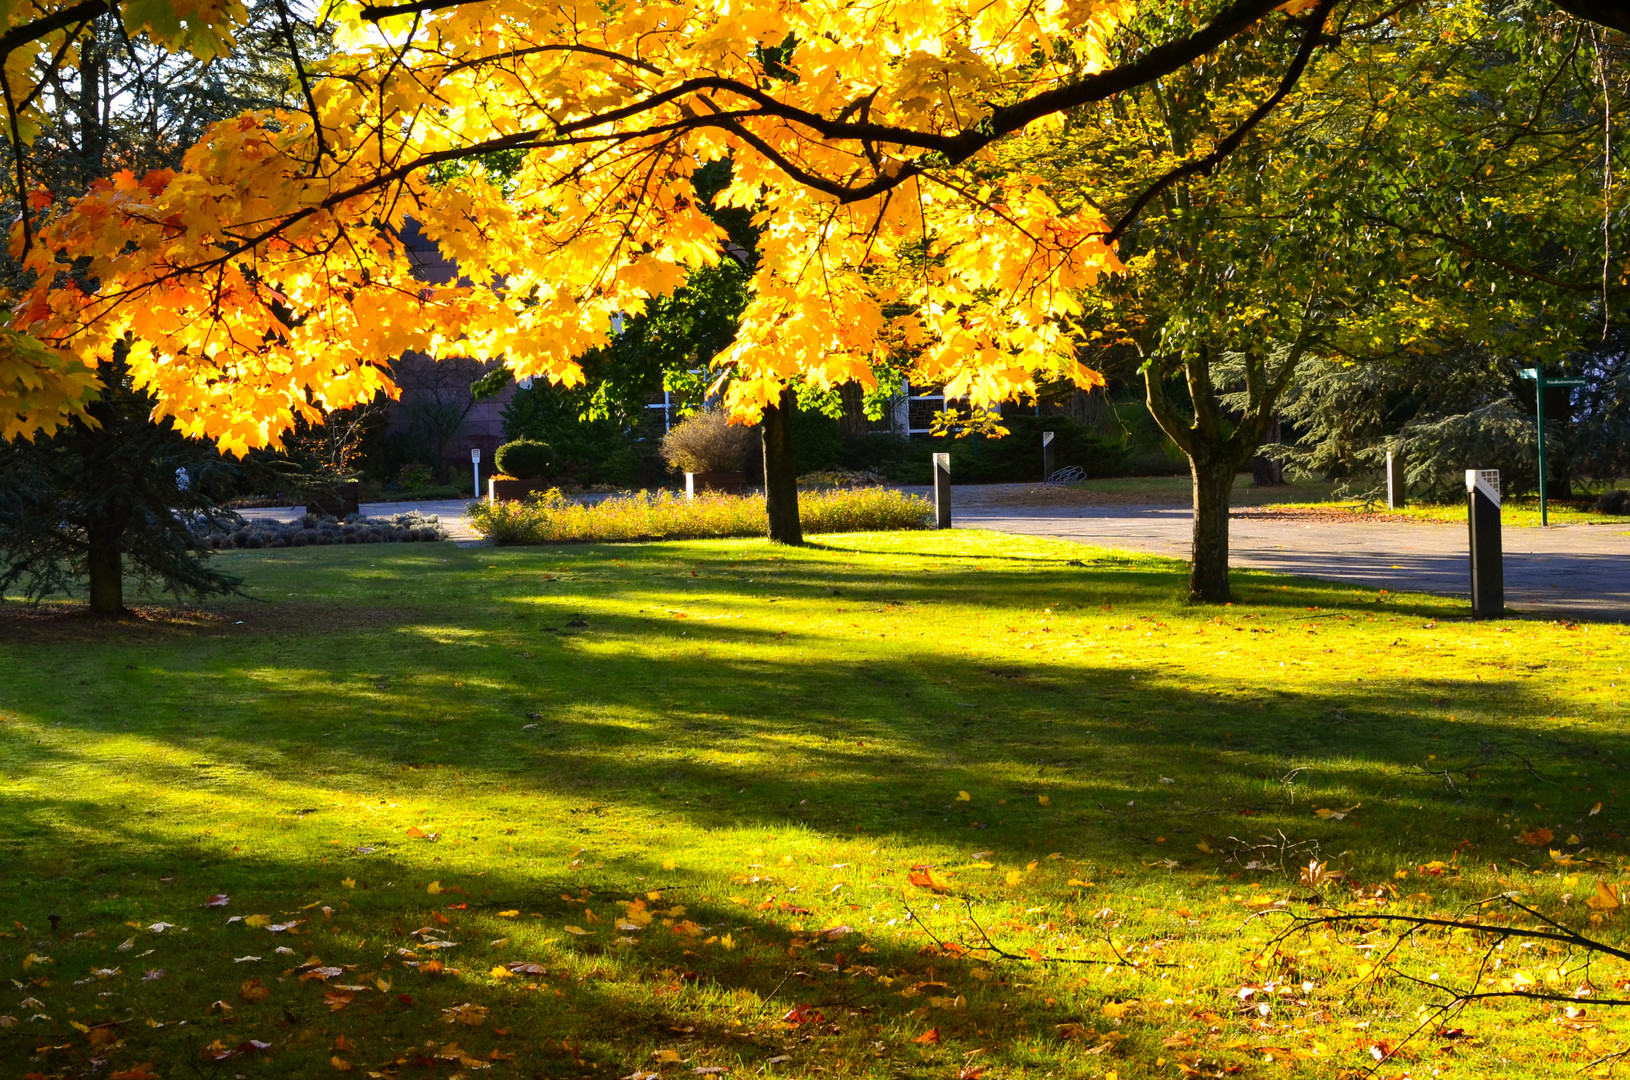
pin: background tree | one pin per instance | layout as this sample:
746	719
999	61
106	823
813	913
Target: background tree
100	494
1336	229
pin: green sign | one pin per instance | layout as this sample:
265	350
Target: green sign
1540	383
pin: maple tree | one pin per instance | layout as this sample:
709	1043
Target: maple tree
265	279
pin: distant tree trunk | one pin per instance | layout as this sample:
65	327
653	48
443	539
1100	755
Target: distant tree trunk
1265	471
1208	567
106	570
781	472
1218	443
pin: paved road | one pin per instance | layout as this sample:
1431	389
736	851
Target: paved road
1575	571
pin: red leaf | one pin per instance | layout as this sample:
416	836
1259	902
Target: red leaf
932	1035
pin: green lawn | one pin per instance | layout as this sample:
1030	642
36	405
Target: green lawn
689	783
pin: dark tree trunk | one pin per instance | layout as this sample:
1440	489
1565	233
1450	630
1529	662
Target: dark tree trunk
1208	570
1265	471
106	570
781	472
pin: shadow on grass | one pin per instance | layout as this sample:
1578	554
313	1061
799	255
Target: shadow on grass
663	686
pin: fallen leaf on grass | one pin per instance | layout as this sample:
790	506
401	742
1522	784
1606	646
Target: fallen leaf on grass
416	833
924	877
929	1037
667	1057
349	882
525	967
220	1051
254	991
1605	898
337	999
144	1071
340	1064
513	913
218	900
963	796
1536	837
467	1014
257	921
578	930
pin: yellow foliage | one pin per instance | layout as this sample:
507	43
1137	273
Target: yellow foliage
267	278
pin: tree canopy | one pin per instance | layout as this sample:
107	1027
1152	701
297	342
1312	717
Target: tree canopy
265	279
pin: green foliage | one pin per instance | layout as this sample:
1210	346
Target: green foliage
664	515
524	459
587	450
115	485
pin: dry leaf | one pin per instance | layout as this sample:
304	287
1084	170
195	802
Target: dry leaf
1605	898
1537	837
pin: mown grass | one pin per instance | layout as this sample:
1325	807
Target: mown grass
772	739
665	515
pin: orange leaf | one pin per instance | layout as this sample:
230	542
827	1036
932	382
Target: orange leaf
924	878
932	1035
144	1071
1537	837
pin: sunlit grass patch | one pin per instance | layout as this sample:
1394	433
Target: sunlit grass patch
744	753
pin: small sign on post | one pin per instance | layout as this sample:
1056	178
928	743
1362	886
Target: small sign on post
1483	524
1046	455
475	467
1537	374
942	491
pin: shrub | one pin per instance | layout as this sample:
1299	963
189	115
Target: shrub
524	459
707	442
827	479
550	519
1614	502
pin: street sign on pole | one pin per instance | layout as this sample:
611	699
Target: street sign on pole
1537	374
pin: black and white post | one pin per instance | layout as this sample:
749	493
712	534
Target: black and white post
1395	480
1046	456
942	491
1483	521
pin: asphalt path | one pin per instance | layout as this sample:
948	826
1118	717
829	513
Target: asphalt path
1573	572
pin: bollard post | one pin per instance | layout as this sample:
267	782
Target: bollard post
942	491
1395	480
475	468
1046	455
1483	524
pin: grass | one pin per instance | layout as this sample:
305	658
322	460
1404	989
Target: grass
664	515
736	747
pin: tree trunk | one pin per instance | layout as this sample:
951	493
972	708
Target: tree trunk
106	571
781	472
1208	570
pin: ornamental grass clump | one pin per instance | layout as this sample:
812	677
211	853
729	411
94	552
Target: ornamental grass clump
707	441
663	515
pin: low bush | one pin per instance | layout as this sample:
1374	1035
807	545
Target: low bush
551	519
829	479
1614	502
312	530
708	442
524	459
